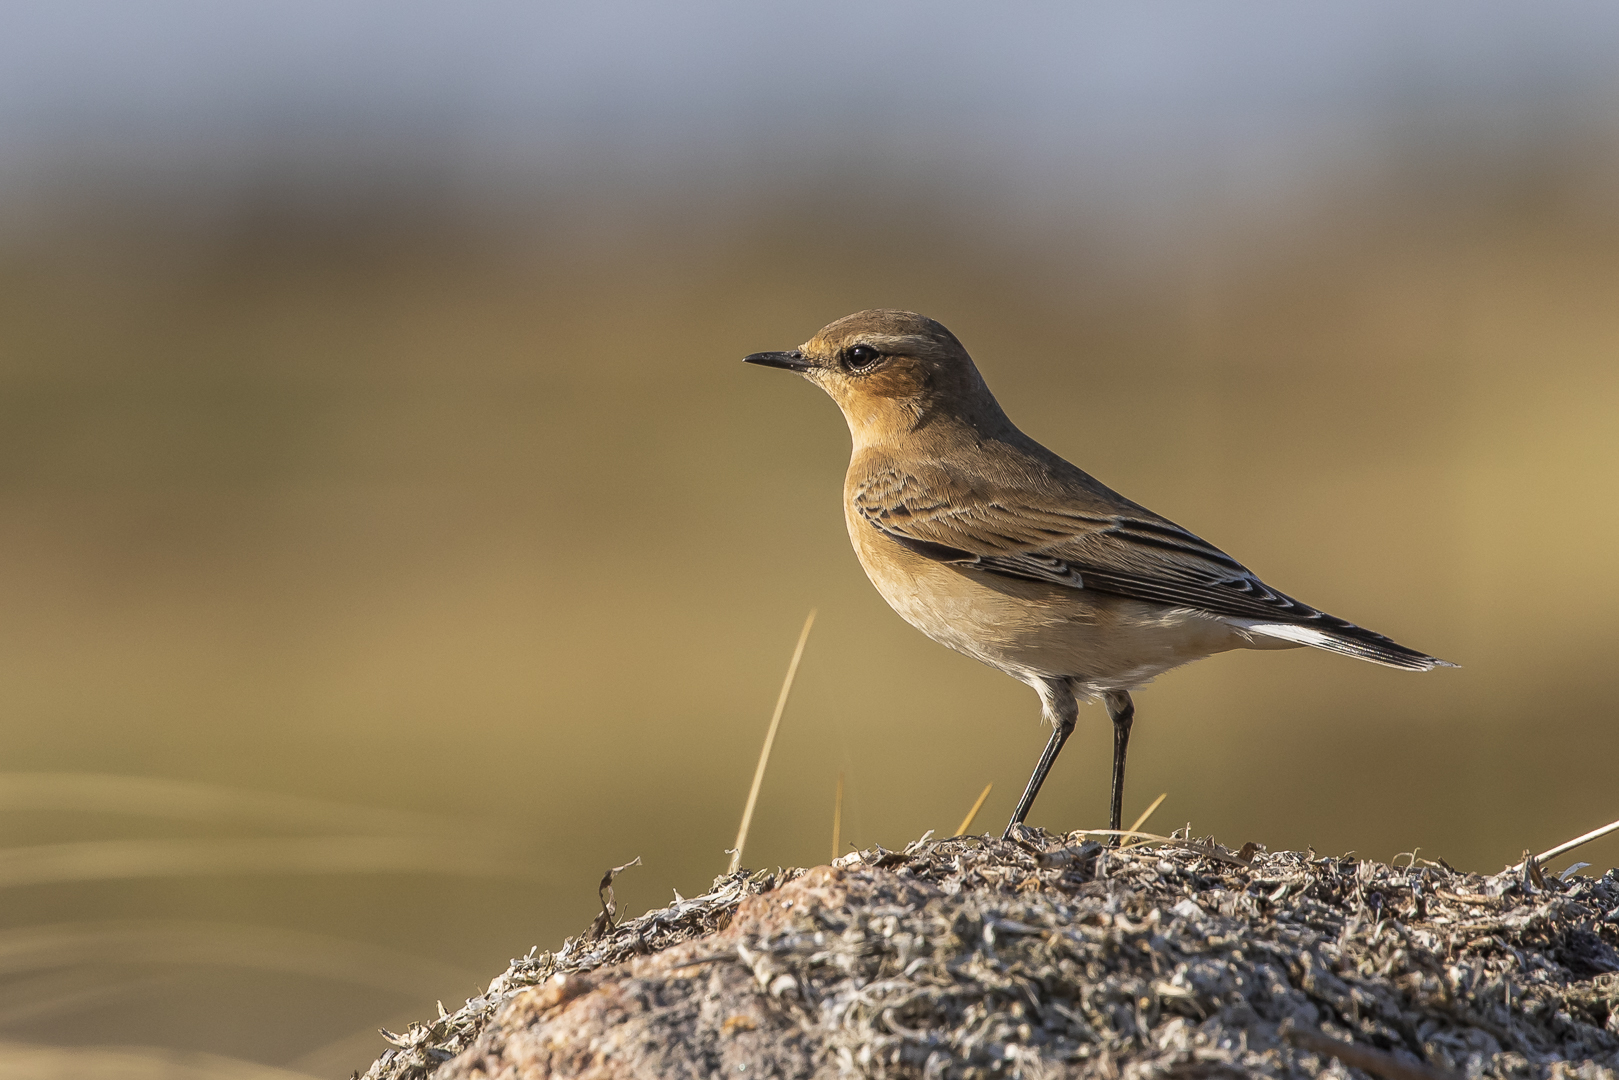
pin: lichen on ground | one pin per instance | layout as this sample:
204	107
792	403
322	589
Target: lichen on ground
1052	956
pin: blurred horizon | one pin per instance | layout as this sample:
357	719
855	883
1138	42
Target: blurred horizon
376	437
1102	110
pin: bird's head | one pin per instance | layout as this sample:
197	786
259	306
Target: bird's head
892	373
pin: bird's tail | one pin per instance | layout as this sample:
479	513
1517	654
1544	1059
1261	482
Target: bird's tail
1350	640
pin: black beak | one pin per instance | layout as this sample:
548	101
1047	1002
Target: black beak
792	361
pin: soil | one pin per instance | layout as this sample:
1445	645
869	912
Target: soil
1052	956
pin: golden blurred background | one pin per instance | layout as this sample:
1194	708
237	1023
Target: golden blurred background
391	539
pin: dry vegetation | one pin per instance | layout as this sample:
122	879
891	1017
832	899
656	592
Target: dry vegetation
1054	956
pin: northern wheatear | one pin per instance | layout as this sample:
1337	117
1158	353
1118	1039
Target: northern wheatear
989	543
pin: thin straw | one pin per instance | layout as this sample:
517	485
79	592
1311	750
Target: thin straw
770	738
1563	849
967	822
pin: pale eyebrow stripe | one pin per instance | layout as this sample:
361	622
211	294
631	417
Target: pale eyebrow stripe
888	339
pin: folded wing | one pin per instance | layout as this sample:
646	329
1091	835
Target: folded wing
1092	542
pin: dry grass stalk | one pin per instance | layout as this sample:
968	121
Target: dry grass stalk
1147	839
113	860
177	800
972	815
132	1063
837	818
1565	848
770	739
1145	814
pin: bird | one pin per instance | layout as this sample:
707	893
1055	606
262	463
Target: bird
996	547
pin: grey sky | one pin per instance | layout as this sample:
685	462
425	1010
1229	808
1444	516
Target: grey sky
1108	91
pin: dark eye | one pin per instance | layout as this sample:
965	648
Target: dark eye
861	358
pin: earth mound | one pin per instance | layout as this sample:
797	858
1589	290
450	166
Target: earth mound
1051	956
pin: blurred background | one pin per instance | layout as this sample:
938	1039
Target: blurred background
391	539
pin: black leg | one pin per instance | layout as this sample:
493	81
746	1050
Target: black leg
1059	735
1122	711
1059	706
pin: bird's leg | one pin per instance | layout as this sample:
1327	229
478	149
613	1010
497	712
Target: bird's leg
1058	703
1059	735
1122	711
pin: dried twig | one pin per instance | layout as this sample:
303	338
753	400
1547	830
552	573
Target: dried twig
770	739
609	912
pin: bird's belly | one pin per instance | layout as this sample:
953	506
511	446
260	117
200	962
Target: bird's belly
1032	630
